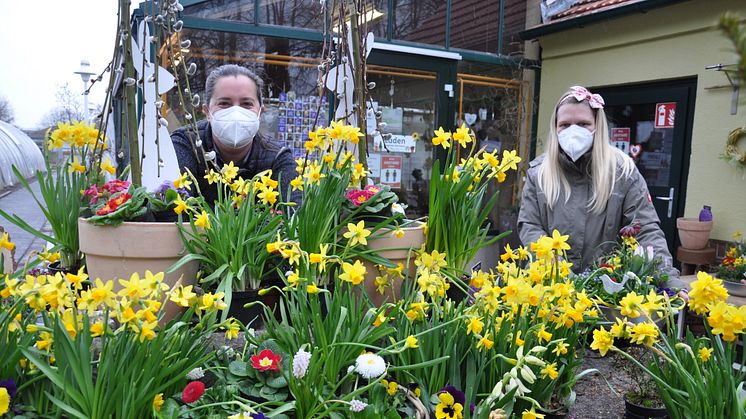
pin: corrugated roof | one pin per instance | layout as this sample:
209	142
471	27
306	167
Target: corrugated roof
586	7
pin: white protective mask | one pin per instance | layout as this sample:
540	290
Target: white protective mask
575	141
235	126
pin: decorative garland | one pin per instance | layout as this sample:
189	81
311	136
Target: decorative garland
732	153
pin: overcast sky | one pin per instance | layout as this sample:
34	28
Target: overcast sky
41	45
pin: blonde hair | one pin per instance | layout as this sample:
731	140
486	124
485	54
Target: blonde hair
604	159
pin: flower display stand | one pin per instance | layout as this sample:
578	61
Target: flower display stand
397	250
114	253
695	260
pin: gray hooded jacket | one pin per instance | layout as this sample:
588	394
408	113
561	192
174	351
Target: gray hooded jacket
591	235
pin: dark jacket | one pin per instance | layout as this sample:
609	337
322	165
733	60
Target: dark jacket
265	154
591	235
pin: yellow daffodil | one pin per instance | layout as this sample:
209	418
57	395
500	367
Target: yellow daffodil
312	288
411	342
107	167
644	333
475	325
183	296
212	177
485	342
297	183
704	354
5	242
229	172
442	138
356	233
158	402
232	329
550	370
202	221
183	182
602	340
353	273
268	196
75	166
559	242
531	414
462	135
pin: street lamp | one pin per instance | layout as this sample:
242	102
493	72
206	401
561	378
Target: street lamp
85	74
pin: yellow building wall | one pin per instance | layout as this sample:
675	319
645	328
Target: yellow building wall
666	43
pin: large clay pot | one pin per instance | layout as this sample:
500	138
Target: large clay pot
397	250
114	253
694	234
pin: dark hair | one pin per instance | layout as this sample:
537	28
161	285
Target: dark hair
227	71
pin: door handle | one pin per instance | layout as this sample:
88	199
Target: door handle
668	198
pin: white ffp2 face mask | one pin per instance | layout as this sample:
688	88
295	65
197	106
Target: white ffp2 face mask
235	126
575	141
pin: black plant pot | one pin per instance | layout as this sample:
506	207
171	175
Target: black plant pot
253	315
634	411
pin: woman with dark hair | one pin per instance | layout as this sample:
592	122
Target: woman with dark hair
233	105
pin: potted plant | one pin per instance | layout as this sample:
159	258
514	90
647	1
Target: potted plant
228	238
643	400
60	187
685	371
458	191
129	213
393	237
628	281
732	269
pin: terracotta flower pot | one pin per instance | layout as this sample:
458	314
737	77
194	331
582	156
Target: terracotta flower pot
114	253
694	234
397	250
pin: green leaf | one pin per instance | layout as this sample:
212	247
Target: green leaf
277	382
238	368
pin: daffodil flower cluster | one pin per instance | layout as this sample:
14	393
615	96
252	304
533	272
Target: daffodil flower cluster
695	376
629	267
134	305
458	192
230	236
81	138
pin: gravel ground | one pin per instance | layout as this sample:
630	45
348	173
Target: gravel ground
595	399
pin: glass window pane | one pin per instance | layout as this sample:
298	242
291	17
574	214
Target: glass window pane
493	103
514	16
421	21
292	104
295	13
406	100
235	10
374	18
475	25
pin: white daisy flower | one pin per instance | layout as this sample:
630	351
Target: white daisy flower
370	366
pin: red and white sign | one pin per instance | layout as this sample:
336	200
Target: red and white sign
391	171
620	138
665	114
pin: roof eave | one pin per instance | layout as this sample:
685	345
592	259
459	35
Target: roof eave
581	21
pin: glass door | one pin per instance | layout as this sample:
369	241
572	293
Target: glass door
495	108
403	156
652	123
409	93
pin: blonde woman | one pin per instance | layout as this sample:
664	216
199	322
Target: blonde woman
585	187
